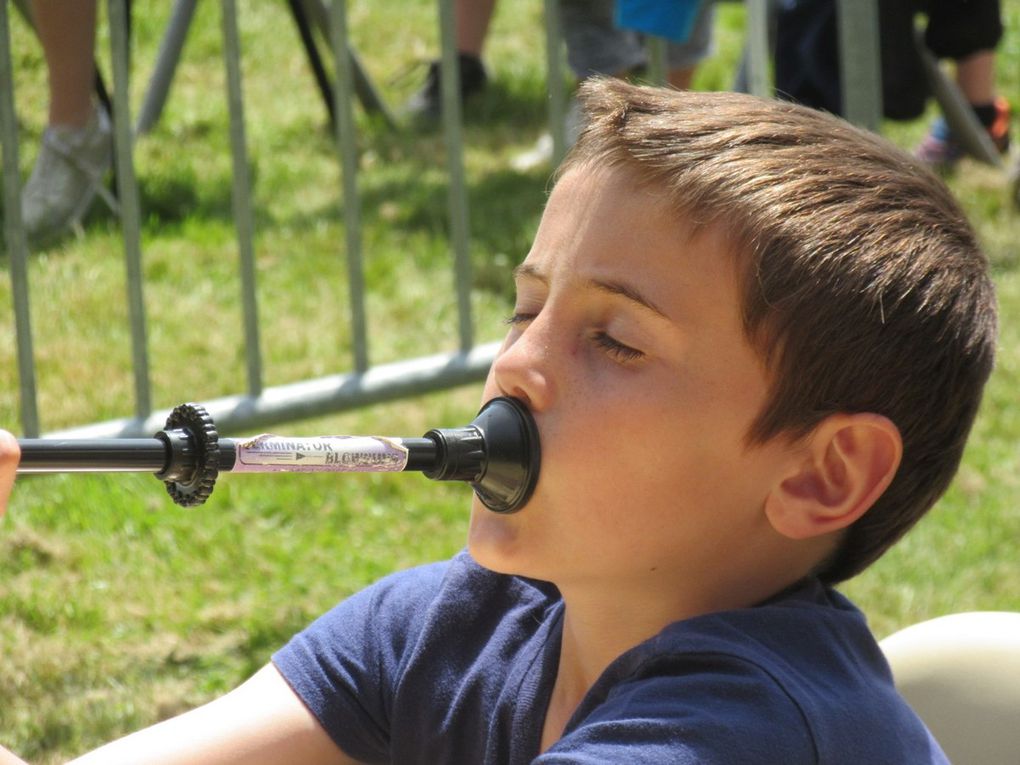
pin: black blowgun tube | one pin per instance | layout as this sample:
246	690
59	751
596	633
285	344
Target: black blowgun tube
498	453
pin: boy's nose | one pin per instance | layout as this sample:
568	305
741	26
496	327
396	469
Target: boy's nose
523	370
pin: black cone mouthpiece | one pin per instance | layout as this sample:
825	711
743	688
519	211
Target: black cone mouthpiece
513	455
498	453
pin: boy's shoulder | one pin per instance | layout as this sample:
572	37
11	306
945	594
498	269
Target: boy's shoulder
448	646
801	676
456	604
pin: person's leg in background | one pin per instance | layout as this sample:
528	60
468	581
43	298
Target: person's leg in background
67	32
597	46
684	57
472	19
969	34
77	144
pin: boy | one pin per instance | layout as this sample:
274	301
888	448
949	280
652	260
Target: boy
753	339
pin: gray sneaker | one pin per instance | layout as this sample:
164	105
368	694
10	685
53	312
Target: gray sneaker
67	176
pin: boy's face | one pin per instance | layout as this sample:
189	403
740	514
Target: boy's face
627	346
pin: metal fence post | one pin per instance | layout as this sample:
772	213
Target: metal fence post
347	148
758	48
242	195
166	64
452	129
14	234
859	62
554	78
129	206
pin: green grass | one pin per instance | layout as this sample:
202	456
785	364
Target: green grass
116	607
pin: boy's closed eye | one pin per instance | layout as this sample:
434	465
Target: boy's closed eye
616	350
519	318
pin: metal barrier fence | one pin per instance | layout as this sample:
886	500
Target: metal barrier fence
259	406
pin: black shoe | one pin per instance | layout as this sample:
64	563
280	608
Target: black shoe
427	104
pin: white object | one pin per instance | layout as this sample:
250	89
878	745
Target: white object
961	674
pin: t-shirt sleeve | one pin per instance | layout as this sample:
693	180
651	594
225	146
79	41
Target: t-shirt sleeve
705	710
346	664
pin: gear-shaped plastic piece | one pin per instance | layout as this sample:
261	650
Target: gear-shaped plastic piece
194	460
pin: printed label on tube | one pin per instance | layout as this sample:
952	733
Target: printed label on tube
323	454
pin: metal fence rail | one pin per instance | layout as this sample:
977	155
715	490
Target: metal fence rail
365	384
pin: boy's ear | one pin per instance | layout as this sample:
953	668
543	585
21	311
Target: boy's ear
847	462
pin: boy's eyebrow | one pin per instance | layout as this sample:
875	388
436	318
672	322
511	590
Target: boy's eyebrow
628	292
609	287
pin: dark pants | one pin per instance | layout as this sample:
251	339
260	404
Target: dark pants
807	52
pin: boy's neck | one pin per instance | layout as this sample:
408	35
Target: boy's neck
595	634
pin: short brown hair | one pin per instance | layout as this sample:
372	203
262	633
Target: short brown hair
863	287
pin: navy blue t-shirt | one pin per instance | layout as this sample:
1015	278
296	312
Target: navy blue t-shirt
452	663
